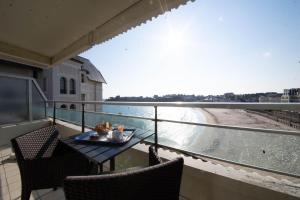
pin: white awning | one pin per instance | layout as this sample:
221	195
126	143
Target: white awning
44	33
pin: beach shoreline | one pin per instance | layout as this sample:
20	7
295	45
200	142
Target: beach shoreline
210	118
238	117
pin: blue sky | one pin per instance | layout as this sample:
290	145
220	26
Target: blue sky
206	47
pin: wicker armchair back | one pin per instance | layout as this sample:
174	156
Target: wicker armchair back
36	144
157	182
44	161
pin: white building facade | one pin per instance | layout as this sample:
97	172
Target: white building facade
291	95
76	79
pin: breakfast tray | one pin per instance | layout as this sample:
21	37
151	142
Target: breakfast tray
105	138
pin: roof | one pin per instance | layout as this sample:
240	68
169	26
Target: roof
93	73
45	33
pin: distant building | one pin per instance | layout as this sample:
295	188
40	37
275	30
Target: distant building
291	95
76	79
229	95
272	97
265	99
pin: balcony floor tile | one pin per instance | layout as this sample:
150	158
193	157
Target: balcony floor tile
10	180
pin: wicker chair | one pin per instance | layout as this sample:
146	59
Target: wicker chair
159	181
44	161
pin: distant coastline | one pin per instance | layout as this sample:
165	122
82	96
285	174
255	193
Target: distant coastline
227	97
268	119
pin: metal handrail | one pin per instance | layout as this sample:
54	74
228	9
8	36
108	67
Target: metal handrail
227	105
262	106
28	79
271	131
231	105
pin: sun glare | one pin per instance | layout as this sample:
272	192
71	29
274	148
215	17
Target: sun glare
174	40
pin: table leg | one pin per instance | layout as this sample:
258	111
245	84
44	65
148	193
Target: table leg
91	167
100	168
112	164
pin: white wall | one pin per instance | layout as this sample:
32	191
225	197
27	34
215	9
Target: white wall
9	132
93	92
70	69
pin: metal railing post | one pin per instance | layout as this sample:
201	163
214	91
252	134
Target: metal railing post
46	105
155	128
30	100
82	119
54	112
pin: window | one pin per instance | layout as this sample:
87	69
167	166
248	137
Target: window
44	84
72	86
63	85
82	78
63	106
82	97
72	107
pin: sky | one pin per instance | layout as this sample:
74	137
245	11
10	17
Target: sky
206	47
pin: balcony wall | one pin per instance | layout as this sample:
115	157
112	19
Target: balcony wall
208	180
10	131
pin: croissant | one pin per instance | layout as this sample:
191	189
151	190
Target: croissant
103	128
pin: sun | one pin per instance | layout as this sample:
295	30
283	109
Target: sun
174	39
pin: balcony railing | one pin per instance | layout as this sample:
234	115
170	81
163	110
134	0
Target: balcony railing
265	149
21	100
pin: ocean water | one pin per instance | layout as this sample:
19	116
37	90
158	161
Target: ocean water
270	151
265	150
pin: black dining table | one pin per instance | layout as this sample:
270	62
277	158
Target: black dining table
100	153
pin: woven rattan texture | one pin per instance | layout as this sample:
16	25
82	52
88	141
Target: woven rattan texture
32	144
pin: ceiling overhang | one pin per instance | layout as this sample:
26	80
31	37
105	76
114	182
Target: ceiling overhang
45	33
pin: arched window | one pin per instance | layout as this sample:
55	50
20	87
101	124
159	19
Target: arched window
63	106
72	106
82	78
72	86
63	85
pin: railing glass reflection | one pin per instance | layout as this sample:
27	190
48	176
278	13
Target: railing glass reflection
13	100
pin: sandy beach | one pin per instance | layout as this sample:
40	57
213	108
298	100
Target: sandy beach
243	118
